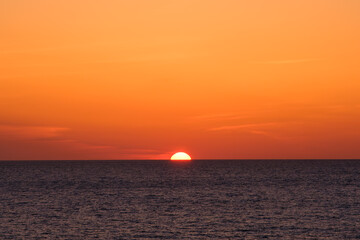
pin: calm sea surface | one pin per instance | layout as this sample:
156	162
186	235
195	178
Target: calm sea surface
179	200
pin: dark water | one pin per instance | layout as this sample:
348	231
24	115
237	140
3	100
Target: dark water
196	200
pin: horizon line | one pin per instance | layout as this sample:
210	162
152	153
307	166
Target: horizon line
198	159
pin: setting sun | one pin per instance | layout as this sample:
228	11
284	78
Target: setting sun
180	156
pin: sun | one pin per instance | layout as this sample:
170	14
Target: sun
180	156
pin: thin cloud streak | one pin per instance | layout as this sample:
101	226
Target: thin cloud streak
59	140
32	132
47	134
242	126
215	117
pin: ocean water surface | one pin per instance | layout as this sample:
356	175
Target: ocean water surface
204	199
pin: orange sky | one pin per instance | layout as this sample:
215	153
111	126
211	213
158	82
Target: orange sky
142	79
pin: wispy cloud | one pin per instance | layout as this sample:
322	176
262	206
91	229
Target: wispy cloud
242	126
62	144
32	132
139	153
45	135
220	116
288	61
267	129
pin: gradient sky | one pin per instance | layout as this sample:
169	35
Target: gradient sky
140	79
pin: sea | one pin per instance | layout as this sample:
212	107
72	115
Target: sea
199	199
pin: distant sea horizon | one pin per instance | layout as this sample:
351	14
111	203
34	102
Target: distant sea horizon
197	159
